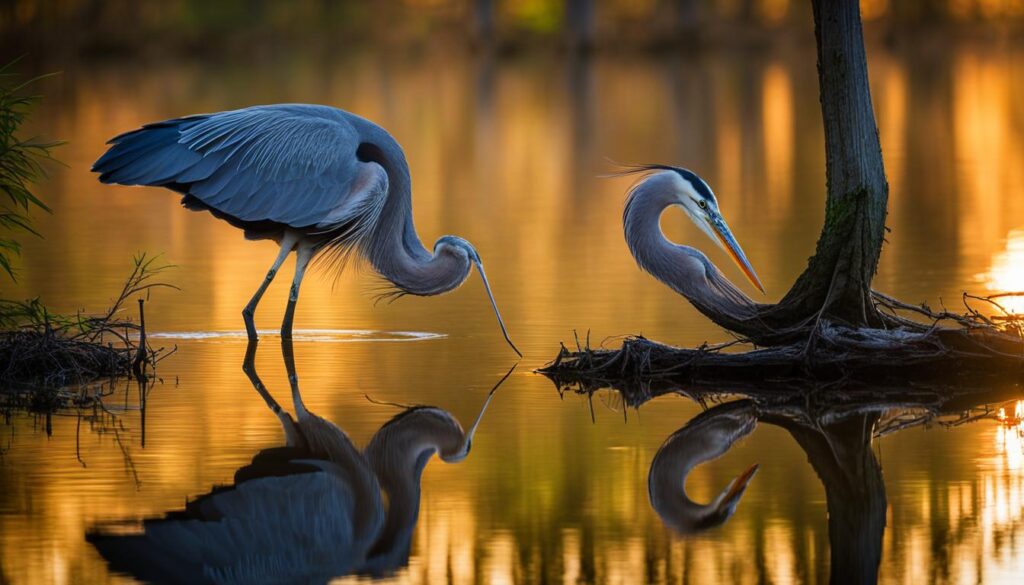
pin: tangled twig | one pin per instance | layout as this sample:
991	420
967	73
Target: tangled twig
42	350
919	343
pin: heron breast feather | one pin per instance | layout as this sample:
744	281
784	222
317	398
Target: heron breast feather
364	200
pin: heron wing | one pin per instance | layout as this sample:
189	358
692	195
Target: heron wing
291	164
276	528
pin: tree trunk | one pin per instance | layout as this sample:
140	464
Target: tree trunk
836	285
841	455
579	24
837	281
483	21
686	17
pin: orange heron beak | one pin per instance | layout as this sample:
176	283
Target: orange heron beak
736	489
725	239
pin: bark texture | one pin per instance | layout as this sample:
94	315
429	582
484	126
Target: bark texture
836	284
940	357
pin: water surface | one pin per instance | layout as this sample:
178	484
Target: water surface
506	153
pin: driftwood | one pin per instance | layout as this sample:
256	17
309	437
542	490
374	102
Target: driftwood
952	349
897	405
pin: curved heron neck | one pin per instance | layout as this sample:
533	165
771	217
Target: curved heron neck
706	437
395	249
684	269
324	440
666	487
398	454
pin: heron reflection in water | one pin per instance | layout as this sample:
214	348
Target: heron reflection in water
706	437
308	511
837	442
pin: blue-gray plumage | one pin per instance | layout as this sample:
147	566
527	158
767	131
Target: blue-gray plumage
684	269
318	180
707	436
307	512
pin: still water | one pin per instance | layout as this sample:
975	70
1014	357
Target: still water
507	153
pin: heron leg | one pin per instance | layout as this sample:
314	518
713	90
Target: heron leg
293	378
249	367
288	242
303	254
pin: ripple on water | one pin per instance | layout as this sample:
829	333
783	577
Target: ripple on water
320	335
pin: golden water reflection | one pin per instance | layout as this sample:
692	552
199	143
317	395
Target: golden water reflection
1007	272
506	152
1010	438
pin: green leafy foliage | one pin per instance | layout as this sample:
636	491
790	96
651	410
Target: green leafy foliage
40	349
21	166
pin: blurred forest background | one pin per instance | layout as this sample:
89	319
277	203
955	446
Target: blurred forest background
508	152
100	26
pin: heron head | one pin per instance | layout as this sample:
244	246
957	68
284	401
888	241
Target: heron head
458	455
461	248
456	443
698	201
456	246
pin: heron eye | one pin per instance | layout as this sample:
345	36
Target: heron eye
702	204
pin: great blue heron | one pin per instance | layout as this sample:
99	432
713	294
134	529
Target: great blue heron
317	180
306	512
707	436
684	269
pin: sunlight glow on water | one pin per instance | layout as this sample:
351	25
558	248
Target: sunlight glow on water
507	153
324	335
1010	438
1007	272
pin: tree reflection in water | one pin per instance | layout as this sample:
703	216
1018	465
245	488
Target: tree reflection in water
834	427
310	510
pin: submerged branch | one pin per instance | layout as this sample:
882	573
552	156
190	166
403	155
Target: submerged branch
898	404
950	349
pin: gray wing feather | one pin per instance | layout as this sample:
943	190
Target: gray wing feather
291	529
291	164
